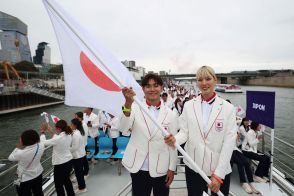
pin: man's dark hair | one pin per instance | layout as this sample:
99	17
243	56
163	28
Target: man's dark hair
164	95
80	115
157	79
30	137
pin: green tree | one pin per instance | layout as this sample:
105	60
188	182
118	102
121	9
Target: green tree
56	69
25	66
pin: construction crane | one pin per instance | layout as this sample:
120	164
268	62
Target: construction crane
7	67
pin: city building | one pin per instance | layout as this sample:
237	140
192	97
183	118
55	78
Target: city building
14	44
137	72
43	54
162	73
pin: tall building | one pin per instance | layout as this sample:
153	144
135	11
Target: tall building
14	44
137	72
43	54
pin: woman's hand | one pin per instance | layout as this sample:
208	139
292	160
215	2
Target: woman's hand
170	140
214	186
44	127
20	145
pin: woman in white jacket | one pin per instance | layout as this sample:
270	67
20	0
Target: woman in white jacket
78	152
249	149
61	156
208	126
28	153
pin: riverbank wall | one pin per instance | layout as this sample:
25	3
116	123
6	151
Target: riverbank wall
24	101
275	81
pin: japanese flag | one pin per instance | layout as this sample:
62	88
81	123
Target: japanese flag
55	119
93	77
46	116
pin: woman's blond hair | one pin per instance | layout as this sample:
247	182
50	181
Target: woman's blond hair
204	71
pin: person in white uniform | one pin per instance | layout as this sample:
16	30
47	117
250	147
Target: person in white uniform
92	121
28	153
61	156
112	131
208	126
79	116
149	160
78	152
249	149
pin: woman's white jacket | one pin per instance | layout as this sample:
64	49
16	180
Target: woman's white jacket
212	150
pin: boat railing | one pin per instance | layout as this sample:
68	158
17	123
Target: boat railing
7	176
281	152
283	169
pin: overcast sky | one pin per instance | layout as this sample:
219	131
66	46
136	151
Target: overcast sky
176	35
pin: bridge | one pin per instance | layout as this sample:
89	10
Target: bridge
237	77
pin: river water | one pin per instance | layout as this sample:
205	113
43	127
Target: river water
12	125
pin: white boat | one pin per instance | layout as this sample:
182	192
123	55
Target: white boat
228	88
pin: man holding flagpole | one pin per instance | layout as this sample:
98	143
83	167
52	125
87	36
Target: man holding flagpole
149	160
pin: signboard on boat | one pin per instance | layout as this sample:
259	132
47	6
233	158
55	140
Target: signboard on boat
261	107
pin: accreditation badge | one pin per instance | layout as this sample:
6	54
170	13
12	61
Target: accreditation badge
165	127
219	125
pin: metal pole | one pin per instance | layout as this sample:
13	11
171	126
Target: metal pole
117	79
272	158
263	143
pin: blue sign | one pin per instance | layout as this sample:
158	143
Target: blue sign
261	107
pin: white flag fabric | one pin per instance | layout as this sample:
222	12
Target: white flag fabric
46	116
55	119
93	77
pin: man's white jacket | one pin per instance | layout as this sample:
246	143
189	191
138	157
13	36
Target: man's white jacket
211	151
145	142
93	118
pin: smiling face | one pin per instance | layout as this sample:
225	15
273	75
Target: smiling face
152	91
206	81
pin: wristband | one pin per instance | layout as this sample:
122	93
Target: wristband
218	178
125	109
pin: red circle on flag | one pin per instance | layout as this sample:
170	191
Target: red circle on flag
96	75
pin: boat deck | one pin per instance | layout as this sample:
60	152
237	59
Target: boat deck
104	180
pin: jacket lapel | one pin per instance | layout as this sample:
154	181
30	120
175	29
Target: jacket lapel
161	117
216	109
198	114
147	122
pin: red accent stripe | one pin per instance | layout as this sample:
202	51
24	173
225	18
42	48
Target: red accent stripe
210	98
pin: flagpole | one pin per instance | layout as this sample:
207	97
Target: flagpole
186	156
272	158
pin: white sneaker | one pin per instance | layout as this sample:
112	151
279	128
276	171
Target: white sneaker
265	178
254	190
80	191
113	162
73	178
75	185
95	161
247	188
259	179
86	177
